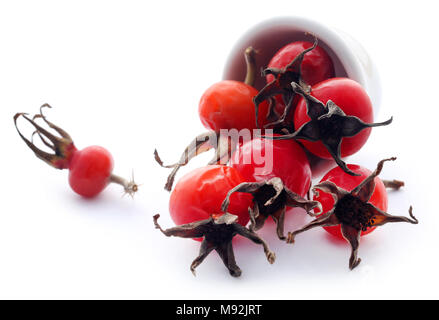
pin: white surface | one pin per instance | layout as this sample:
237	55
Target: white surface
128	75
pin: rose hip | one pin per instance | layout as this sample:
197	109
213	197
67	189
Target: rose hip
90	169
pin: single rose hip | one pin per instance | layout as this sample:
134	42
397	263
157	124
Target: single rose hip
353	212
229	105
353	100
226	106
333	121
280	86
348	182
90	169
316	66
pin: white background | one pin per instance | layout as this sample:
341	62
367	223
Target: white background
127	75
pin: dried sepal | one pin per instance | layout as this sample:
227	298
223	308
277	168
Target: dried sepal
331	188
328	124
281	85
272	115
325	220
365	189
352	235
353	212
62	145
222	144
217	233
270	198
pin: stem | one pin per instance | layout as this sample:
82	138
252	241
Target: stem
250	62
130	187
393	184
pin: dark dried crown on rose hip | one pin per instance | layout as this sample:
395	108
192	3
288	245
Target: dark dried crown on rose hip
270	198
353	211
328	124
62	146
217	234
281	85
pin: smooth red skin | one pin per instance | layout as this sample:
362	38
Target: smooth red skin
350	96
90	170
316	66
200	193
348	182
229	105
289	162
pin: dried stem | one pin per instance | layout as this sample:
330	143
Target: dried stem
393	184
250	62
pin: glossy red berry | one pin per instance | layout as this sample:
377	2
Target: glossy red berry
316	66
349	96
229	105
262	159
90	170
199	194
227	110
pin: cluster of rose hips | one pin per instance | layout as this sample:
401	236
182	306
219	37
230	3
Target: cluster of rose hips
302	110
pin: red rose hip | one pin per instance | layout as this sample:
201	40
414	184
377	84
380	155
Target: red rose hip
90	169
262	159
200	193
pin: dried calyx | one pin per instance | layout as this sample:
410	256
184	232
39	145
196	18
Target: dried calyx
353	212
281	85
62	146
217	233
271	198
328	124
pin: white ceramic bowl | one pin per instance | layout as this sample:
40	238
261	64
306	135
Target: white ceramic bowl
349	57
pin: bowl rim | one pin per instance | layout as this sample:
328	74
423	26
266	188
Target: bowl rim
330	36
